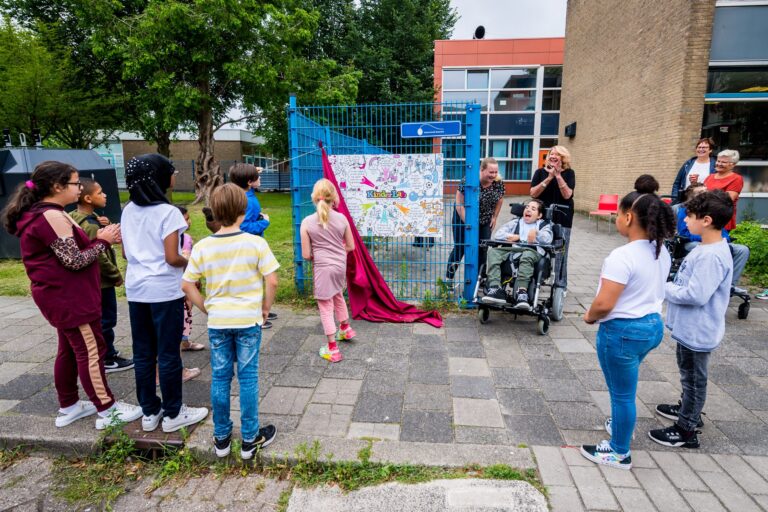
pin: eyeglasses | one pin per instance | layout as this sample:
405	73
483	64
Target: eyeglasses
720	162
78	183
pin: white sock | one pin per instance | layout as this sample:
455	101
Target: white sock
70	409
105	412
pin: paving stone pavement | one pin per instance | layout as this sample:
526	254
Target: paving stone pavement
464	393
28	485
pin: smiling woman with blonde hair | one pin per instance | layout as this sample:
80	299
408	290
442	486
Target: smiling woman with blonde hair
554	184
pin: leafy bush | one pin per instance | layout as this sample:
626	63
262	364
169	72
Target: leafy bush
756	238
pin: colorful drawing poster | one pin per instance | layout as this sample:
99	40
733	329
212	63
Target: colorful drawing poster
393	195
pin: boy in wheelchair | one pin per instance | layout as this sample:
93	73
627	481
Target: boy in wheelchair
684	242
529	229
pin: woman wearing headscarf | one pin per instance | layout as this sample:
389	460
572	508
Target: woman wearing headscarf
151	227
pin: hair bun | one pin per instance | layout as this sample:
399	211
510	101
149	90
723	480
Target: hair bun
646	184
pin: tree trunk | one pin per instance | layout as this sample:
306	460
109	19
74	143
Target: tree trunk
164	143
208	174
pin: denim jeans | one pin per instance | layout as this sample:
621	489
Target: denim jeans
622	344
225	345
459	246
109	320
693	380
561	261
156	330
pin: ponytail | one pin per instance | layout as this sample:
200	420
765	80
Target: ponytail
654	215
40	185
323	211
324	195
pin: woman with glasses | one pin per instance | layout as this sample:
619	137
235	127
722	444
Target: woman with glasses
727	180
694	170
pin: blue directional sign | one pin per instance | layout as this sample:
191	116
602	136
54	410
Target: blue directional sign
430	129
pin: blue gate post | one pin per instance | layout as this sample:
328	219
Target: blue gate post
472	201
298	261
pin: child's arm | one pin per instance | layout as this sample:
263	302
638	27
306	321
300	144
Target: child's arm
544	236
193	294
171	248
251	223
606	300
349	240
503	233
306	244
707	275
270	280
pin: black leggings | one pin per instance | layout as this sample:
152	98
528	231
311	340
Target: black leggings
458	228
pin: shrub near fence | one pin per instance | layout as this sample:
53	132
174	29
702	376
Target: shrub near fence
755	237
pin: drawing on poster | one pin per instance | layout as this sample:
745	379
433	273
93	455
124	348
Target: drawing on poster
393	195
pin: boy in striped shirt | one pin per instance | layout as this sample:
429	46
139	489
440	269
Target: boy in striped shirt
234	265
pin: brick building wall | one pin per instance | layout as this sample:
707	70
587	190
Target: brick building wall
634	79
187	149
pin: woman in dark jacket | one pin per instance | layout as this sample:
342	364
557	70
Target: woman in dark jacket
694	170
554	184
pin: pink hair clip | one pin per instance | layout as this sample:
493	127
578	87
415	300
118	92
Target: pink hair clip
29	184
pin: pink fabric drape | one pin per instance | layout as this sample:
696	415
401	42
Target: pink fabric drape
369	295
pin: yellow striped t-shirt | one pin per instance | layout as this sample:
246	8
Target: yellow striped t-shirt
234	266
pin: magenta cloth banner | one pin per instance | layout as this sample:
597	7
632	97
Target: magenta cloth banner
369	295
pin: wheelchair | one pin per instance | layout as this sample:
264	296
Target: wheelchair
544	308
677	251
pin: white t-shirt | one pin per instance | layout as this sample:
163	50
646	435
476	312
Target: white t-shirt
148	277
635	266
697	168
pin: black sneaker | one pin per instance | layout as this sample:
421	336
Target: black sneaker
522	300
272	316
222	446
675	437
672	411
264	439
266	325
495	295
117	364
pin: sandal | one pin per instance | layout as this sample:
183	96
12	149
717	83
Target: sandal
189	374
189	346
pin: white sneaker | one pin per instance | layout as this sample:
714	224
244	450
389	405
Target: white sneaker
81	410
121	411
187	416
150	423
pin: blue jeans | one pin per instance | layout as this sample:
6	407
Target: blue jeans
156	330
693	380
109	320
622	344
226	344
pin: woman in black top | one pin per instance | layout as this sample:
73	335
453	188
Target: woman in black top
491	198
554	184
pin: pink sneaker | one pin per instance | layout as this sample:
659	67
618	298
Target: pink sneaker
345	334
333	356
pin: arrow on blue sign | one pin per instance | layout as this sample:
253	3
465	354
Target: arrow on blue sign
432	129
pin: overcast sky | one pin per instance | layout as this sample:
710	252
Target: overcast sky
504	19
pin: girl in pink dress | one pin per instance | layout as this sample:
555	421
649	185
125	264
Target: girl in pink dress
326	238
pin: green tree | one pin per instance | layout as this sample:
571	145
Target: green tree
397	54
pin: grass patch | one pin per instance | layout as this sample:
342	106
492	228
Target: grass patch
10	457
14	281
98	480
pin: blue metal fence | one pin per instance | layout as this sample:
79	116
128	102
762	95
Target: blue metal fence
415	268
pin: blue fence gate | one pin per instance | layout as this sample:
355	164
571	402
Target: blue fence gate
414	267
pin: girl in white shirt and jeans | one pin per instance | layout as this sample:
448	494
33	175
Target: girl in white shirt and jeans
151	227
628	308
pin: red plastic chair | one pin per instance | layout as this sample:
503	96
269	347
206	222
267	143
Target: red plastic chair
607	206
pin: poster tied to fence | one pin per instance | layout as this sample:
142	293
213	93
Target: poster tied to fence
393	195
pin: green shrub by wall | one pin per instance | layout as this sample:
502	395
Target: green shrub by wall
756	238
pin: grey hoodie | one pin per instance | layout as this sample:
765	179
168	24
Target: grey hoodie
699	296
543	237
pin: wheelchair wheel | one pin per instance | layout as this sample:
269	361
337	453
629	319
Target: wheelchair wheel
558	298
483	314
743	312
542	326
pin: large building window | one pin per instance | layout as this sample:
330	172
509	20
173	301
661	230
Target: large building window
738	125
521	111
